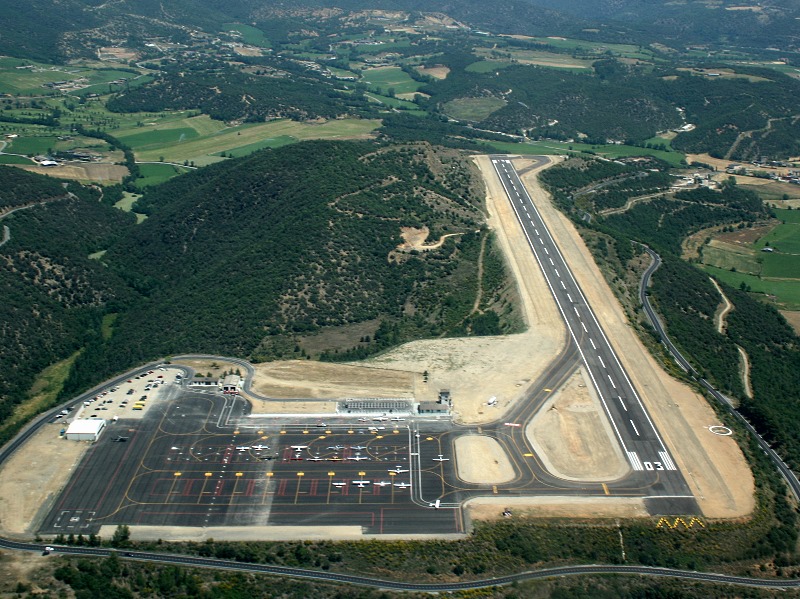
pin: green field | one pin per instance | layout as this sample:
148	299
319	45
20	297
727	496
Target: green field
539	57
32	145
786	293
272	142
785	238
206	149
384	78
487	66
781	266
394	102
153	174
14	80
597	48
8	159
147	140
606	151
250	35
742	259
473	109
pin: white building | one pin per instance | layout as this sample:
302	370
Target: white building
85	429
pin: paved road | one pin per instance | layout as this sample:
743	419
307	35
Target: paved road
783	469
632	425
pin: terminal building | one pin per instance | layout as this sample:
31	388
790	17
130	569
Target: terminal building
85	429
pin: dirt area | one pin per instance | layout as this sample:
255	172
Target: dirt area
793	318
258	533
572	436
321	380
32	478
21	566
746	236
481	459
414	239
713	465
491	508
247	51
473	369
437	72
723	309
101	173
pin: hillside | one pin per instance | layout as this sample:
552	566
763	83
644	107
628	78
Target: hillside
253	256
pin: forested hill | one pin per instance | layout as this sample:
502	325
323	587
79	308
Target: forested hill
241	255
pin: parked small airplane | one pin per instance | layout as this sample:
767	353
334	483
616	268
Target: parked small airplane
435	505
259	447
358	458
358	447
397	419
398	469
440	459
402	485
383	483
492	401
339	484
361	483
243	448
380	418
363	419
299	447
336	447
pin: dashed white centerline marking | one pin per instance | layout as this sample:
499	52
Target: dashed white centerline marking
551	262
635	430
558	275
578	314
536	231
592	342
525	208
603	364
584	327
562	285
540	241
622	403
611	381
546	251
569	297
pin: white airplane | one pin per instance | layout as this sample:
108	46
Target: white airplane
383	483
380	418
363	419
440	459
339	484
335	458
358	447
397	419
316	458
492	401
299	447
435	505
243	448
336	447
358	458
402	485
398	469
259	447
361	483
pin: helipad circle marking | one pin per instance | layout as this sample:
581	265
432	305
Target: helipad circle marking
720	430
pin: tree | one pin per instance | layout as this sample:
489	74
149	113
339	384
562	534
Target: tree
122	535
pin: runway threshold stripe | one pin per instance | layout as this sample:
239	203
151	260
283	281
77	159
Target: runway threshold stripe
667	461
635	461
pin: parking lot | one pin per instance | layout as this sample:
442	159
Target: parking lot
178	463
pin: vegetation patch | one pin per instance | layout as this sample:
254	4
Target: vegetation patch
473	109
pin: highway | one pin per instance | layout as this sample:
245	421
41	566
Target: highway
783	469
632	425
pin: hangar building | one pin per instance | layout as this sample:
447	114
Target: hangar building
86	429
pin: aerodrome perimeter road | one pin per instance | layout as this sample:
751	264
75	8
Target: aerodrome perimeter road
635	431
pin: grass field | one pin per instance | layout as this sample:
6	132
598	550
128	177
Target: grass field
32	145
153	174
606	151
15	80
156	138
394	102
384	78
541	58
126	205
486	66
206	148
272	142
250	35
726	257
472	109
786	294
6	159
624	50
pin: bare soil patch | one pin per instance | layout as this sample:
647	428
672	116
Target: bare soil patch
102	173
481	459
793	318
34	476
491	508
302	379
247	51
713	465
746	236
572	436
438	72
